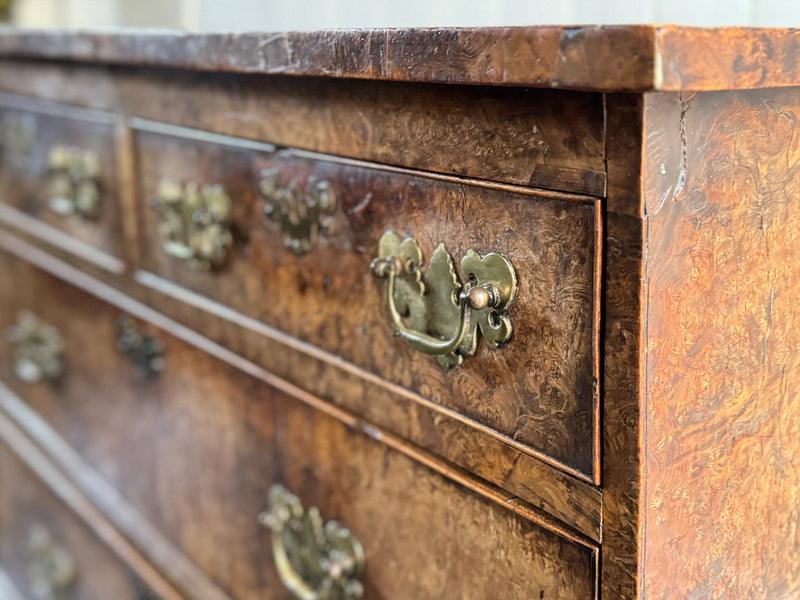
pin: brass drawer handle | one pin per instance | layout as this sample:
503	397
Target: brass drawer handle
51	568
145	350
73	181
314	561
303	215
194	223
445	315
38	349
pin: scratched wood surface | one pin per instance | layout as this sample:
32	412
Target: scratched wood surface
26	137
196	425
539	389
600	58
26	505
720	452
544	138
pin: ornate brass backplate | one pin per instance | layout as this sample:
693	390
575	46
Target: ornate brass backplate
38	349
195	223
145	350
314	561
73	181
303	215
51	569
435	313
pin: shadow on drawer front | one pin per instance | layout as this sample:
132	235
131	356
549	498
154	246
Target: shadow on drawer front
58	174
287	239
197	447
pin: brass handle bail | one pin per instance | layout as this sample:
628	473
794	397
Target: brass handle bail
438	315
314	561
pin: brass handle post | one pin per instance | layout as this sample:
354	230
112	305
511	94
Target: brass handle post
445	316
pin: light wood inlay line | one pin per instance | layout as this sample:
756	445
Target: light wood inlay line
186	577
54	109
108	294
51	235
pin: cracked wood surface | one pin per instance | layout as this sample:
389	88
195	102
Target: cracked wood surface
721	468
600	58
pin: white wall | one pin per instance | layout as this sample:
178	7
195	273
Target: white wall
281	15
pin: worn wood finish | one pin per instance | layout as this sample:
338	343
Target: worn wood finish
26	504
384	407
209	419
143	548
622	338
600	58
24	178
390	489
539	389
549	139
720	466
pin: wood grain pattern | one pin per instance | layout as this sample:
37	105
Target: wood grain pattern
539	389
623	328
720	466
25	504
549	139
143	548
209	420
337	386
599	58
25	184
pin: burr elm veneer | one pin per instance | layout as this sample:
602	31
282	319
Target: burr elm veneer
436	313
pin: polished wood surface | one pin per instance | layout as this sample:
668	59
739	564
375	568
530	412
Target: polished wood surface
720	472
543	138
539	389
28	507
600	58
24	179
382	409
634	438
202	420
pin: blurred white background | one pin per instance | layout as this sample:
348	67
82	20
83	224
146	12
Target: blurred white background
281	15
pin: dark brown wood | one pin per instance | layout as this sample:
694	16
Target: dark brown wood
203	420
101	505
623	330
25	181
672	477
387	409
600	58
539	389
719	473
27	503
549	139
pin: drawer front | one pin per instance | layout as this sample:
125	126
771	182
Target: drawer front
552	139
58	175
314	283
211	441
47	551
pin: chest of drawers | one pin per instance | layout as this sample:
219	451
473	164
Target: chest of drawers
481	313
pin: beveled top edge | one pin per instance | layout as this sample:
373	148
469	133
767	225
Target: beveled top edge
597	58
